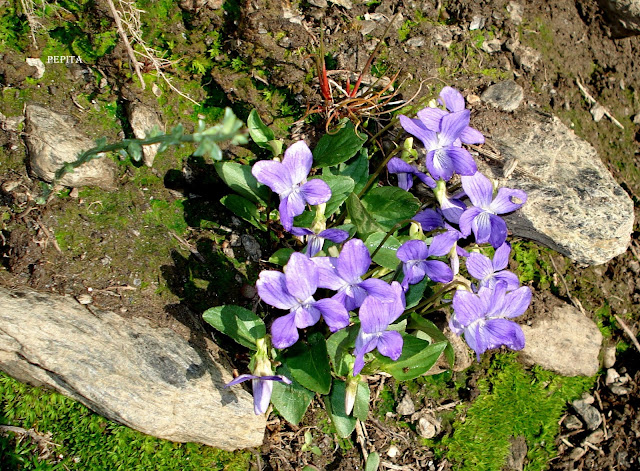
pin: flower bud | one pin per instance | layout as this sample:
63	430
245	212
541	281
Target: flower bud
415	231
350	393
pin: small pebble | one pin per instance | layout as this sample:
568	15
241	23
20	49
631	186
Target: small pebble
393	451
406	406
609	356
572	423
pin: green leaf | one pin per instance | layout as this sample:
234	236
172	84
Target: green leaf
281	257
361	404
386	256
418	356
243	208
335	404
259	132
373	462
291	400
360	217
424	325
239	178
135	151
341	188
239	323
358	170
415	292
309	364
333	149
389	205
339	347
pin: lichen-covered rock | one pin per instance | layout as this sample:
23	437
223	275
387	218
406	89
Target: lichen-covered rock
52	141
150	379
566	342
574	204
143	120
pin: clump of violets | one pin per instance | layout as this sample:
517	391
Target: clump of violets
361	293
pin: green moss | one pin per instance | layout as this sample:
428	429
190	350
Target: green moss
513	403
90	442
533	264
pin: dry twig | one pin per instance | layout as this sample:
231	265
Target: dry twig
127	44
628	331
593	101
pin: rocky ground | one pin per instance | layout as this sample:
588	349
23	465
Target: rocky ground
162	247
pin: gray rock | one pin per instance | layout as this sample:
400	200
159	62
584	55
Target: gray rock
406	406
567	342
609	356
38	64
150	379
143	119
417	41
526	58
428	425
623	16
589	414
574	205
572	423
517	454
52	141
505	95
492	45
515	12
477	22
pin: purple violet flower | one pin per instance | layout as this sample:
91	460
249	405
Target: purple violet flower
414	255
454	102
344	275
444	154
406	172
484	317
293	291
375	317
482	218
315	242
289	179
262	388
490	272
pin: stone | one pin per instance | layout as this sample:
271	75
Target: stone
319	3
589	414
492	45
53	141
150	379
393	451
406	406
38	64
574	205
477	22
428	425
517	454
143	120
506	95
566	342
416	42
623	16
526	58
609	356
515	12
572	423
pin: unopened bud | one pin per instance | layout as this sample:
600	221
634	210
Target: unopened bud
415	231
350	393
